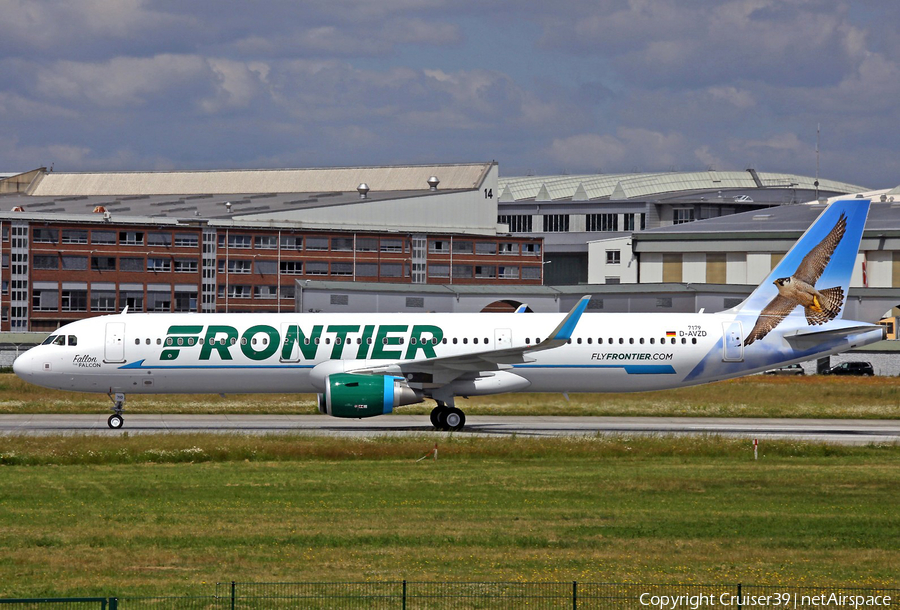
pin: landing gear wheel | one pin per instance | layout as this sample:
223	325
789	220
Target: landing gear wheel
436	414
453	419
115	421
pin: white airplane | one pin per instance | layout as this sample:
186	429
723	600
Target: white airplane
363	365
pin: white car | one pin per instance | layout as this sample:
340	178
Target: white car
743	199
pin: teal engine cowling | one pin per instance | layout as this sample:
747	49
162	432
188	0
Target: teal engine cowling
355	395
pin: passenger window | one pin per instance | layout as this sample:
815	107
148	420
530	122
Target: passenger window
465	340
475	340
137	341
73	340
652	340
642	340
454	340
694	340
148	341
159	341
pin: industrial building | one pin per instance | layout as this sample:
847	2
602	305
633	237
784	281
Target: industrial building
570	211
82	244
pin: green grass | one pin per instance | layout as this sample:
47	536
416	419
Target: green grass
169	515
756	396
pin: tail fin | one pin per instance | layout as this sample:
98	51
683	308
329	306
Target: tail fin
825	255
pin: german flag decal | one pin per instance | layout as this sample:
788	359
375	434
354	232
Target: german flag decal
670	333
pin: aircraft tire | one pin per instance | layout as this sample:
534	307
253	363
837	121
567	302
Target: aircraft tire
454	419
115	421
436	414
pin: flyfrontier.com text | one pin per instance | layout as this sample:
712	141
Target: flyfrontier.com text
771	600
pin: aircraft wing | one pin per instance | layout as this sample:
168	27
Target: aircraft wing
450	367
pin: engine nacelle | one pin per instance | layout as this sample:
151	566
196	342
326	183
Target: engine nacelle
356	395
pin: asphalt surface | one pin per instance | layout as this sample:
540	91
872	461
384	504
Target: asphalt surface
844	431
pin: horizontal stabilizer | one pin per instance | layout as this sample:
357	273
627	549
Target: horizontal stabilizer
803	340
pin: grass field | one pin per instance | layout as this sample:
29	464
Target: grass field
168	515
756	396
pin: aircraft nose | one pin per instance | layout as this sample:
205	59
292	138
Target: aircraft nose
23	366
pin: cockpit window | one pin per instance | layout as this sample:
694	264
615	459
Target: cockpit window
49	340
73	340
59	340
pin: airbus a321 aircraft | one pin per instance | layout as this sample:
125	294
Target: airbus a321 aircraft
368	364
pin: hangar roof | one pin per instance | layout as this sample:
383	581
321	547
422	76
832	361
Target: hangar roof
641	186
260	181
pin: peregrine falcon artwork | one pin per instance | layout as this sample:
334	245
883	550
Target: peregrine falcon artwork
820	306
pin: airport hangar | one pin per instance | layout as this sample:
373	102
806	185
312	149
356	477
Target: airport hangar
447	237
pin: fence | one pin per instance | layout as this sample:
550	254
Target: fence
412	595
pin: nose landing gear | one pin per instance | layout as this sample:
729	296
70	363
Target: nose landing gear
115	420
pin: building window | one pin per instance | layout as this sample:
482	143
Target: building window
131	238
342	244
316	243
485	271
240	242
45	236
74	236
45	299
518	223
629	222
103	237
366	270
531	273
265	242
236	291
186	240
132	299
103	263
341	268
613	280
265	292
159	239
266	267
366	244
683	215
531	249
41	261
75	263
415	302
186	265
103	300
485	247
239	266
74	300
508	249
613	257
508	273
186	301
159	264
287	291
664	302
439	246
392	245
602	222
339	299
438	270
462	271
556	223
316	268
159	300
462	247
391	269
291	242
131	264
292	267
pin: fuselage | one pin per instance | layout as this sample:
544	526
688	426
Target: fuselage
258	353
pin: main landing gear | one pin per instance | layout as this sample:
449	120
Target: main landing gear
447	418
115	420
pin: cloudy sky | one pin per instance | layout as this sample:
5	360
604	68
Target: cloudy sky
542	87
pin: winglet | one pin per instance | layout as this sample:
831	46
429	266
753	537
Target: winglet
564	331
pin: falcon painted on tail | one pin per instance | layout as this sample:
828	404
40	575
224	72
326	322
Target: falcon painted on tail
820	306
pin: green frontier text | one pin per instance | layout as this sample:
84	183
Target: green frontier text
292	343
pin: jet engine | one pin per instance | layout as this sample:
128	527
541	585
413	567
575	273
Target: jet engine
356	395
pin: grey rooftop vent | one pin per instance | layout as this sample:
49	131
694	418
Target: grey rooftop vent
433	182
363	190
